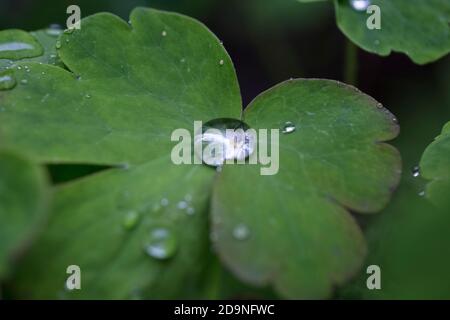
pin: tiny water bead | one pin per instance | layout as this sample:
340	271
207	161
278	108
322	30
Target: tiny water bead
190	211
360	5
415	171
288	127
241	232
160	243
221	62
7	81
24	81
164	202
182	205
54	30
422	193
130	220
58	44
164	33
224	139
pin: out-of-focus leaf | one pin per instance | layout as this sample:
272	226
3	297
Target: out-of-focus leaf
23	198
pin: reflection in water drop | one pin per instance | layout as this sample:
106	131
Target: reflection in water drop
130	220
288	127
224	139
160	243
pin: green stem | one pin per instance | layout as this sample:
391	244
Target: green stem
351	63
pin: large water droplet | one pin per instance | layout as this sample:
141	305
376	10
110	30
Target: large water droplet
224	139
288	127
54	30
160	243
130	220
7	81
360	5
415	171
241	232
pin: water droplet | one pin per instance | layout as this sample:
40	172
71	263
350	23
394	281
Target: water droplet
182	205
87	96
288	127
221	62
415	171
58	44
377	42
164	202
241	232
183	60
360	5
188	197
54	30
422	193
43	73
224	139
130	220
190	211
7	81
160	243
24	81
164	33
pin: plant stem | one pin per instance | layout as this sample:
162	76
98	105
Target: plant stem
351	63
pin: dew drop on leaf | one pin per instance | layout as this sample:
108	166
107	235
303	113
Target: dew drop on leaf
160	243
190	211
24	81
241	232
182	205
422	193
415	171
164	33
288	127
164	202
221	62
130	220
58	44
7	81
224	139
54	30
360	5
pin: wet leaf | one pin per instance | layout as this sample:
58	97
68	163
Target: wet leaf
296	223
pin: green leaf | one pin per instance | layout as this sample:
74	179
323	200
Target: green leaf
418	28
435	166
295	223
103	224
128	87
23	200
